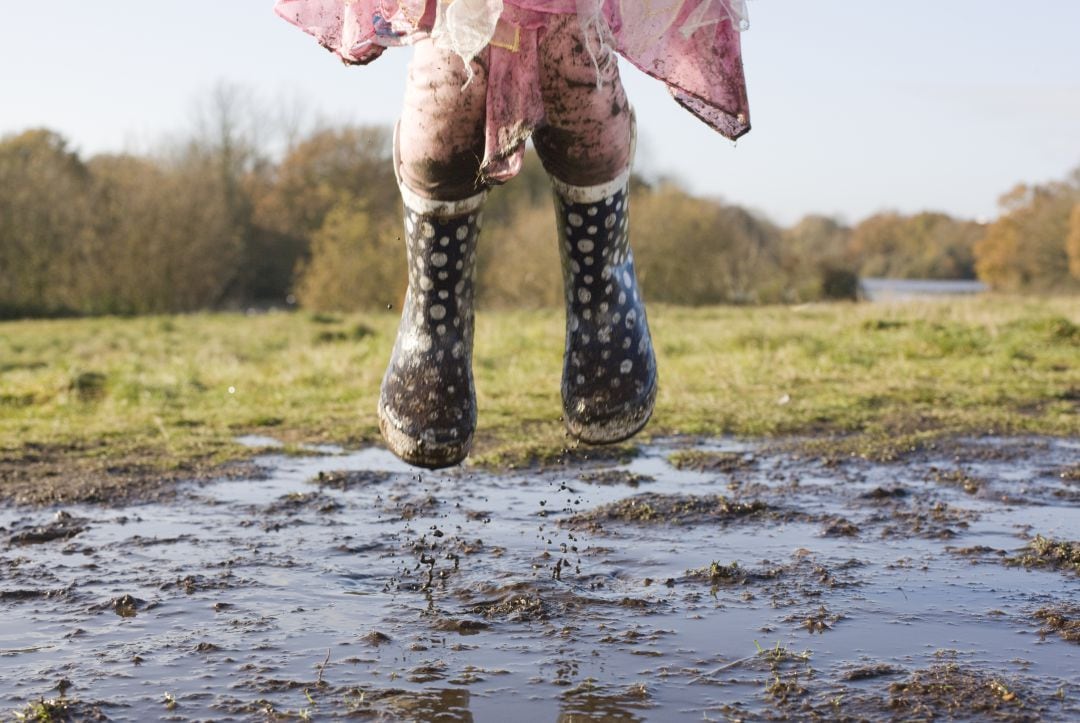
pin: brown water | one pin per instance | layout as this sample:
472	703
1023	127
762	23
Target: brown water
376	592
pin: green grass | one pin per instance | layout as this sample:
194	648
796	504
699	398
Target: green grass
171	393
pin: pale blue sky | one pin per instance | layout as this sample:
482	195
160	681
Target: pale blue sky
857	105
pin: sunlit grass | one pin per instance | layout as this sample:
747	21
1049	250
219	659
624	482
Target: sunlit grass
173	392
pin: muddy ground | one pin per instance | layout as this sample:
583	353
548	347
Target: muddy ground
702	580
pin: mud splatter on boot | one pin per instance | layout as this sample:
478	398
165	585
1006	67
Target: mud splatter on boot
609	369
427	404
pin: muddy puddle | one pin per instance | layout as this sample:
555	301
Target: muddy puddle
699	581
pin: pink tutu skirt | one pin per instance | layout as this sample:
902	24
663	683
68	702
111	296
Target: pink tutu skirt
691	45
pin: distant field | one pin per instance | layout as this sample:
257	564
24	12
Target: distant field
104	403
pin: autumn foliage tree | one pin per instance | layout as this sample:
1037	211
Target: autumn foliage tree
816	259
332	211
1026	248
696	251
224	218
163	238
44	192
1072	242
920	246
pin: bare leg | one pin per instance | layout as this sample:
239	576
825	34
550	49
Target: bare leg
587	137
441	132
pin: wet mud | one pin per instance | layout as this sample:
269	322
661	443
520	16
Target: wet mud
82	474
709	580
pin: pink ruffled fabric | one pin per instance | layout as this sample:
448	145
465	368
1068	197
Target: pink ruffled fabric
693	46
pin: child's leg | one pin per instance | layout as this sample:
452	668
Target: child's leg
427	403
440	135
609	370
587	138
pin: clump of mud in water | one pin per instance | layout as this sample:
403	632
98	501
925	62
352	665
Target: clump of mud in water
61	709
126	606
953	691
1049	554
345	480
868	672
364	703
461	626
885	493
789	672
948	691
840	527
1061	619
23	595
405	506
703	461
976	551
516	608
957	478
816	621
615	477
193	583
451	704
802	584
299	502
658	509
938	522
590	701
428	672
528	601
730	574
63	527
374	638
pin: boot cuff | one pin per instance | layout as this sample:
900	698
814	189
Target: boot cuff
591	194
441	209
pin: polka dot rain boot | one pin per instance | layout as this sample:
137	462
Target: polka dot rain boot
609	370
427	404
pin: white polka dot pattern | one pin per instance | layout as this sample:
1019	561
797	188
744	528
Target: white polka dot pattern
609	372
427	406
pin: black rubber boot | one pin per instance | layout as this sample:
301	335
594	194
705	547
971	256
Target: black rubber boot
427	404
609	369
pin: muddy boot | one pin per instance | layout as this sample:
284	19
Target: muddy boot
427	404
609	370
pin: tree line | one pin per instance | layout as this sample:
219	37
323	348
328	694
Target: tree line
219	221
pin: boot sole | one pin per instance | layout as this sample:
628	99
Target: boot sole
612	429
420	452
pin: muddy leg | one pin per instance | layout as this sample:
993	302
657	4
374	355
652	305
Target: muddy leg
440	137
586	140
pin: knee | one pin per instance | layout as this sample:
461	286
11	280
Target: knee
588	155
440	138
587	137
440	177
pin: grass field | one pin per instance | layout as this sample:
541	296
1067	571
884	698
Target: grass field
105	403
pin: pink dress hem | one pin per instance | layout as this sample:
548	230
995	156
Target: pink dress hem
694	49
